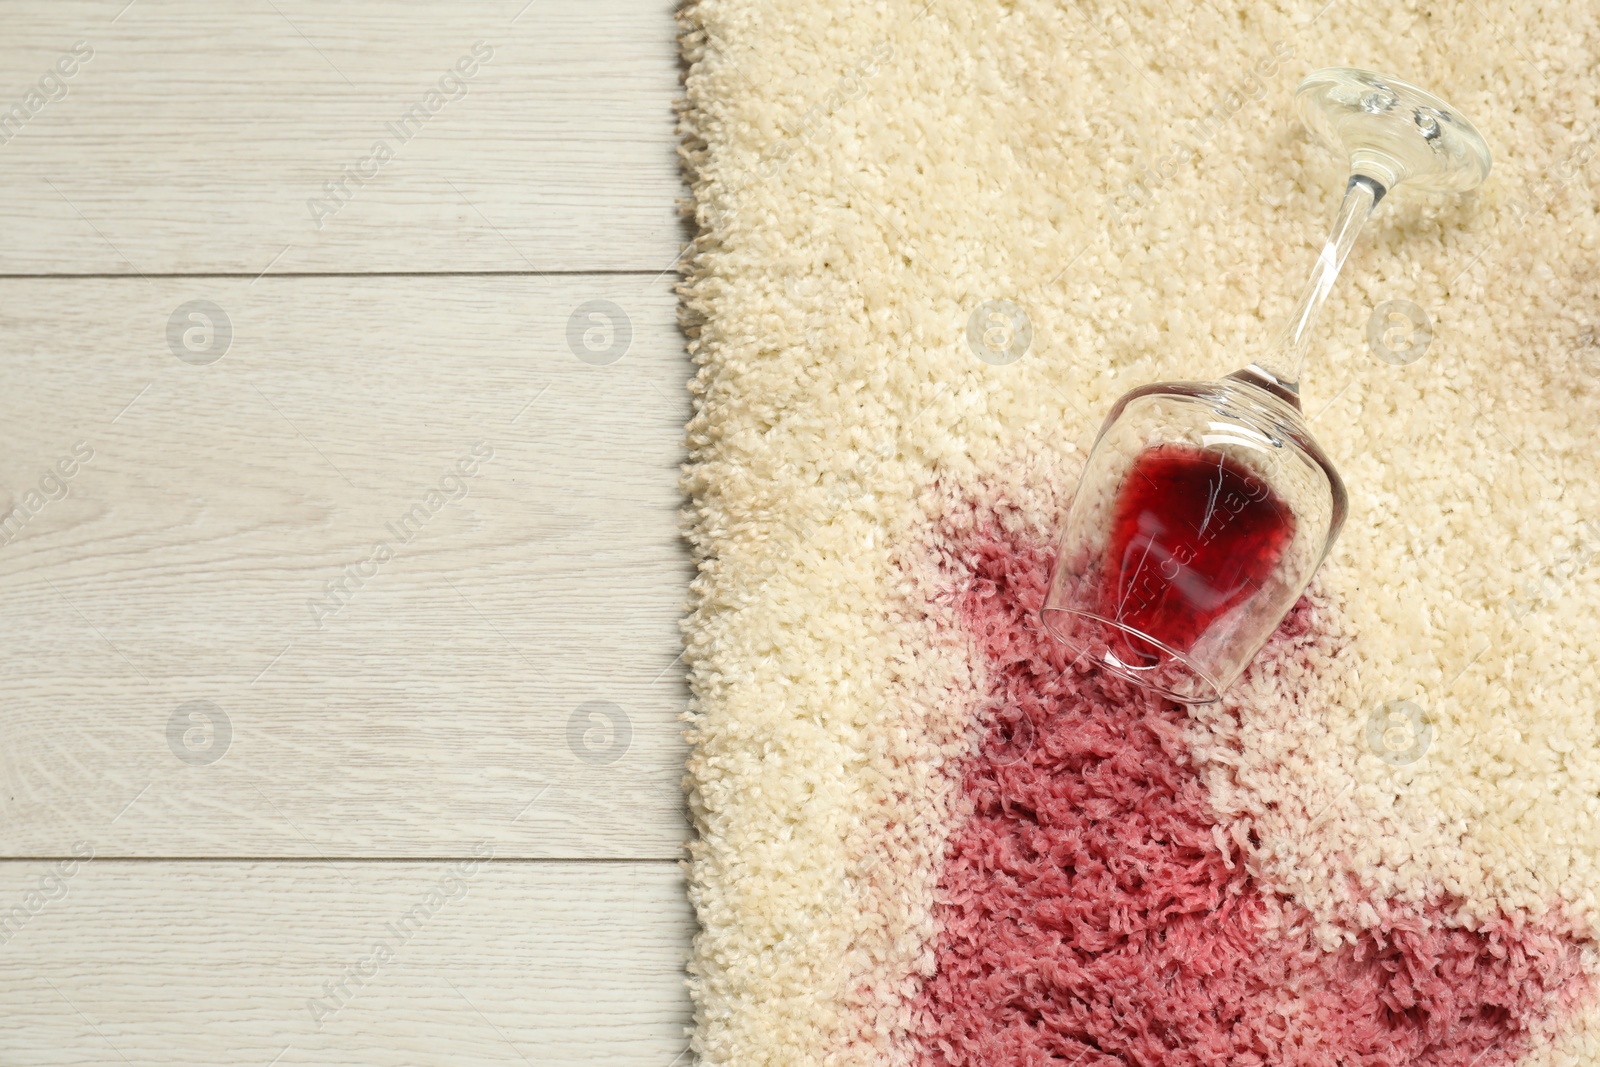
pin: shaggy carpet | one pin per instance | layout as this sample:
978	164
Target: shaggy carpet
937	240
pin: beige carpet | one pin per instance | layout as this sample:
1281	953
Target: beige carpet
1129	178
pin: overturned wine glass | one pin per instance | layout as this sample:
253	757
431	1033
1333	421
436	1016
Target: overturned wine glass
1205	507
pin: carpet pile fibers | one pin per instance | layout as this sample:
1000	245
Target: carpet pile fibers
937	240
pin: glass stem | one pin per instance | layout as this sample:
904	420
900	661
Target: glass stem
1282	363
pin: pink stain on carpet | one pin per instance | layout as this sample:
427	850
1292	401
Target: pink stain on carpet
1093	912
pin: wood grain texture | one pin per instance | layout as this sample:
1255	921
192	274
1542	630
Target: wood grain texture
507	673
223	964
195	137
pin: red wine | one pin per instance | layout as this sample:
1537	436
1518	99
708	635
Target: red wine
1193	535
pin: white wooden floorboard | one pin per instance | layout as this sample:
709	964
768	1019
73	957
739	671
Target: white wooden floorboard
194	136
223	964
180	679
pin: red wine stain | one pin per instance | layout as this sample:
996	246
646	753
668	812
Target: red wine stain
1194	534
1093	912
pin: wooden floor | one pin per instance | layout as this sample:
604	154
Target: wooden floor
343	401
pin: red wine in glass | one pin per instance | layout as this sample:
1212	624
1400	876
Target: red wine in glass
1204	507
1193	535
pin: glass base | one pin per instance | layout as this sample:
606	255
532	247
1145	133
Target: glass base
1393	131
1131	654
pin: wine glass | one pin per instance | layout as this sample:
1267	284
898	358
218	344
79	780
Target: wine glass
1205	507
